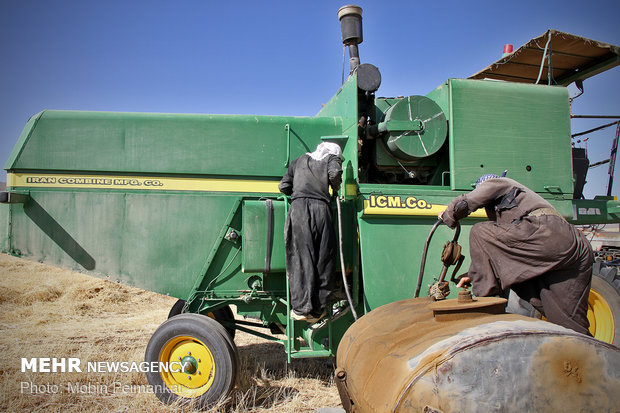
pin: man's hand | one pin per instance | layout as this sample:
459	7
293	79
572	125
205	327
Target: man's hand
464	282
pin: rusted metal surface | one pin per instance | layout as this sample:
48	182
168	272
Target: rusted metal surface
400	358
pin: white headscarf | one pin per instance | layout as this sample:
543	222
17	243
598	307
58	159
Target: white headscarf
324	149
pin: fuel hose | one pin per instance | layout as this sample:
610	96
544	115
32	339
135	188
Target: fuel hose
423	261
342	267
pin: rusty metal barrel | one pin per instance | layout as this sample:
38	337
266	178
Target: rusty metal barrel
468	355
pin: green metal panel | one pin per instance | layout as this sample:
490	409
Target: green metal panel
166	143
391	245
343	106
441	96
592	211
392	236
523	128
155	241
4	227
255	236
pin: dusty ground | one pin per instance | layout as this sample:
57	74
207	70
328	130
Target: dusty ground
50	312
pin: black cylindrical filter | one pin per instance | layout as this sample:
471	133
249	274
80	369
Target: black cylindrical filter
351	24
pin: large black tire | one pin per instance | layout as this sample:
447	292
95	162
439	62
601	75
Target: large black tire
604	311
219	315
208	356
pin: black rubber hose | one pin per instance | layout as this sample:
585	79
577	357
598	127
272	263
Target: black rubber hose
342	267
423	262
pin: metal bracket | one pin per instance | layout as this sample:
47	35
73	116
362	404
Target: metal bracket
13	198
287	127
554	189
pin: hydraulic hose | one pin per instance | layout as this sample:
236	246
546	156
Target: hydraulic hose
423	262
342	267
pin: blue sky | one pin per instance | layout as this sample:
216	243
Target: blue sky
269	58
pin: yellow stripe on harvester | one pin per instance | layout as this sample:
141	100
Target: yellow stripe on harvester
158	183
395	205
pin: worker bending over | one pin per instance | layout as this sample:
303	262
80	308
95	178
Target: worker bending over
309	236
526	246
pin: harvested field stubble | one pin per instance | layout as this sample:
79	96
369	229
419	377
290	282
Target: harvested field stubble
51	312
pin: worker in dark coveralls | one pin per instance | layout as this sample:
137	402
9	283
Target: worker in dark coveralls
309	236
527	246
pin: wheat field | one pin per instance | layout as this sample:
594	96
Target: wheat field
51	312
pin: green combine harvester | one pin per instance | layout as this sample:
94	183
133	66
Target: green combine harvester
188	205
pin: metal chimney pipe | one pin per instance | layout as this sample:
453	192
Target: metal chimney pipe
350	17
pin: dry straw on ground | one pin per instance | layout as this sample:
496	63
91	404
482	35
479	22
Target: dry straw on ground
51	312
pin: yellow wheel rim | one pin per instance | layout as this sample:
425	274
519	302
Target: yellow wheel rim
191	366
600	317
